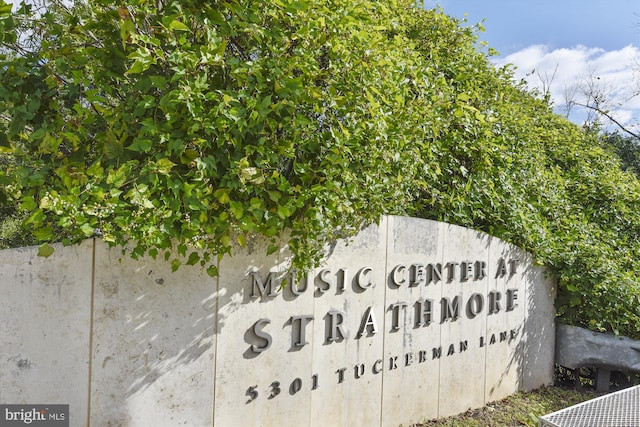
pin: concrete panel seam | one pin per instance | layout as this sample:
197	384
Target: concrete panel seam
216	320
384	306
486	327
91	316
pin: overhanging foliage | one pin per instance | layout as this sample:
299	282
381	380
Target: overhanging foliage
198	124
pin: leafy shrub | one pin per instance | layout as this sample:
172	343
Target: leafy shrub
196	125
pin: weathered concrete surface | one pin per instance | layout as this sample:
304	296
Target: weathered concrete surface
45	327
578	348
463	374
539	327
153	344
504	373
357	399
253	376
410	320
413	333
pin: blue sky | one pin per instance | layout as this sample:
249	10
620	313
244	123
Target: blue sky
562	45
511	25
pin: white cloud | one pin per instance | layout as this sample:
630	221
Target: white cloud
569	72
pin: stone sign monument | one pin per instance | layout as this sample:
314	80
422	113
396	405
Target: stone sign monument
410	320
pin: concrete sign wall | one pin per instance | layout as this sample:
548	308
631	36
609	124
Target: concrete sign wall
410	320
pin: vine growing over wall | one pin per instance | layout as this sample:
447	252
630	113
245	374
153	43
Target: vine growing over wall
184	128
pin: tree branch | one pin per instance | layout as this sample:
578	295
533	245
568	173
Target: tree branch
608	116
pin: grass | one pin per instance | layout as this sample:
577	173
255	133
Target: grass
521	409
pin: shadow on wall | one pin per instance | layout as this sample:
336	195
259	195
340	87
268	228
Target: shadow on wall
513	356
45	327
539	328
154	336
531	359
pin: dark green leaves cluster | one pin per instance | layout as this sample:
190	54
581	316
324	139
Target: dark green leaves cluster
199	124
626	148
184	128
508	165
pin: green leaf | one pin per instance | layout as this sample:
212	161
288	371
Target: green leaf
212	271
274	195
36	218
194	257
182	249
272	248
44	233
28	203
87	230
45	250
138	67
222	195
141	145
144	58
164	166
127	27
236	208
256	203
178	26
263	107
5	9
283	211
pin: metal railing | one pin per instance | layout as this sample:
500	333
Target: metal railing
619	409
